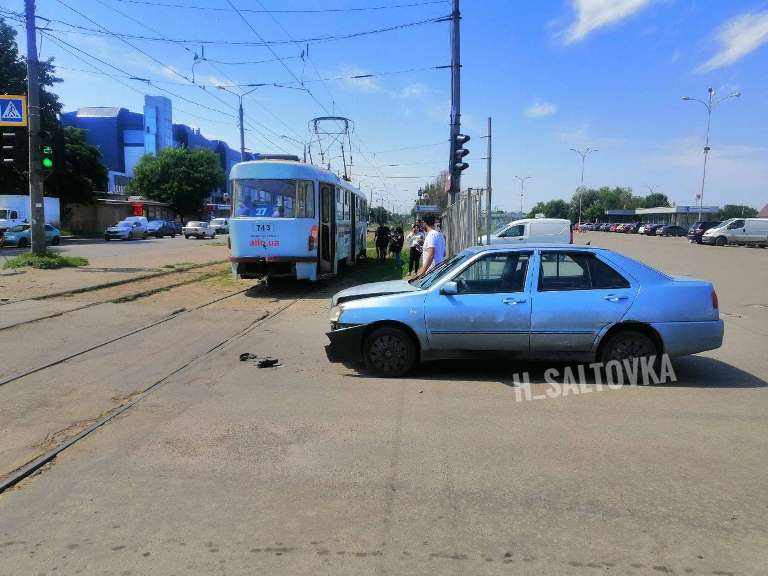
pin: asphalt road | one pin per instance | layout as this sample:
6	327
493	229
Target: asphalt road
311	468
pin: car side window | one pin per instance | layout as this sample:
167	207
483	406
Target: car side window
48	228
495	273
513	231
560	271
736	224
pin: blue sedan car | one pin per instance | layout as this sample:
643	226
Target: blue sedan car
21	236
561	301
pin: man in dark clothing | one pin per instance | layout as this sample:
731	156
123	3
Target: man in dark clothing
381	238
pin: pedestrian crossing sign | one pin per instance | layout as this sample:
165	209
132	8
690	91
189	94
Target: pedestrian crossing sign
13	110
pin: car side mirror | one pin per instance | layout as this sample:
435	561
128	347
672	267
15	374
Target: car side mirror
450	288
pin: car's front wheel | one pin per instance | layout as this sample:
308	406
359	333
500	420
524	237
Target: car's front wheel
56	240
22	243
721	241
389	351
626	345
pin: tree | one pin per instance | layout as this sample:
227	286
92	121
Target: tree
379	214
181	177
655	200
434	193
83	173
736	211
551	209
13	80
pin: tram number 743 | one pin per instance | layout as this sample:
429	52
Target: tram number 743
262	227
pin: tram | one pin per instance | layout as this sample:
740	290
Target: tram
291	219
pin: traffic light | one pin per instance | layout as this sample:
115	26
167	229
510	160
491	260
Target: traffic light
51	147
459	164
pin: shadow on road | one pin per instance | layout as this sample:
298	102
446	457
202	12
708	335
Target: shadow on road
690	372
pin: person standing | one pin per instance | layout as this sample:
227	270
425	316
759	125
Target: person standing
415	241
381	238
396	244
434	246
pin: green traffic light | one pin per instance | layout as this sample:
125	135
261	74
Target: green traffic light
47	163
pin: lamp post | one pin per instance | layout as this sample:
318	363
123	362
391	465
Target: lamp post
240	114
709	105
583	153
522	189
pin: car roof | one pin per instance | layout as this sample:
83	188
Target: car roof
535	246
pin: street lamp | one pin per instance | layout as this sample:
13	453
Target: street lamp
583	153
522	189
709	105
240	113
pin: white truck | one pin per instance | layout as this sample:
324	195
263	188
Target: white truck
14	210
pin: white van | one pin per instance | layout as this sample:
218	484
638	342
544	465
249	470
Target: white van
530	230
738	231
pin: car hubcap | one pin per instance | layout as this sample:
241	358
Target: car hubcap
627	348
388	353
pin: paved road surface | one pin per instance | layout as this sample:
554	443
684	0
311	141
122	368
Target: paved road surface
312	468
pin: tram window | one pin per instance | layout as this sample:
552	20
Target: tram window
273	198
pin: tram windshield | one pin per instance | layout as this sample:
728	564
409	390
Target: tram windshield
260	197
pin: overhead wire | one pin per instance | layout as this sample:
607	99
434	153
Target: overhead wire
285	10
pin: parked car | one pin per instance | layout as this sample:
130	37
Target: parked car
632	228
650	229
613	228
21	236
125	230
527	230
742	231
220	225
606	227
160	228
671	230
641	230
533	301
198	230
698	228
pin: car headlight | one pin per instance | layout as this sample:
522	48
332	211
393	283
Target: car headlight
336	313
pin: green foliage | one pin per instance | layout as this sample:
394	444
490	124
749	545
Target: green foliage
379	215
434	192
736	211
83	173
13	80
551	209
48	260
656	200
181	177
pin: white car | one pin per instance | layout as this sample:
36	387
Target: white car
535	230
198	230
220	225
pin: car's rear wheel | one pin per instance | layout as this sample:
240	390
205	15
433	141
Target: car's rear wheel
186	236
56	240
389	351
626	345
721	241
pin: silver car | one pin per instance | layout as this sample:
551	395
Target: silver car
198	230
562	301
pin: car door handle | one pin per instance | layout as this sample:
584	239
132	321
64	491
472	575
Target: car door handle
513	301
614	298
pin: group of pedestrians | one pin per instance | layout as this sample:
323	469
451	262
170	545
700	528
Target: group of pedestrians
426	245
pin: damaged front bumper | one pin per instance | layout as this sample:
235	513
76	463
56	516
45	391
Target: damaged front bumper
346	344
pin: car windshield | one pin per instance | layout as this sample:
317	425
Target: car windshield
19	228
124	224
272	198
440	270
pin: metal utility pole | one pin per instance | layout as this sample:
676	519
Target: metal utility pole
241	121
709	105
583	153
36	205
522	189
454	174
488	191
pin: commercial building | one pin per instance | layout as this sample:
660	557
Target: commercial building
680	215
124	137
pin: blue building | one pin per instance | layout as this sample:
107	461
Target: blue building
124	137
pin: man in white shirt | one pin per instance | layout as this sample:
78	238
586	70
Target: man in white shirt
434	246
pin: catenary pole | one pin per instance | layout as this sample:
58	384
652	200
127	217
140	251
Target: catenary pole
488	191
36	203
454	174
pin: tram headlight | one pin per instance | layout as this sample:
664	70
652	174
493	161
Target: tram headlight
336	313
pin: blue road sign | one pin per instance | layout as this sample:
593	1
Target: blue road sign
13	110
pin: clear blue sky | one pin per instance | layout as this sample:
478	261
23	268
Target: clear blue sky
553	74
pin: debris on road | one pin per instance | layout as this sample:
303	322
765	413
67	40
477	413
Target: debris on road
245	356
268	362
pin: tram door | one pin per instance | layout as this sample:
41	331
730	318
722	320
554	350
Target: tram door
353	228
327	228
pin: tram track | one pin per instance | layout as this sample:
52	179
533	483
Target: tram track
15	476
197	272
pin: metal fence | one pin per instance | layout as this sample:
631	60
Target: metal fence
462	222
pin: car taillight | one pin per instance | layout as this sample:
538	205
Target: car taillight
715	304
